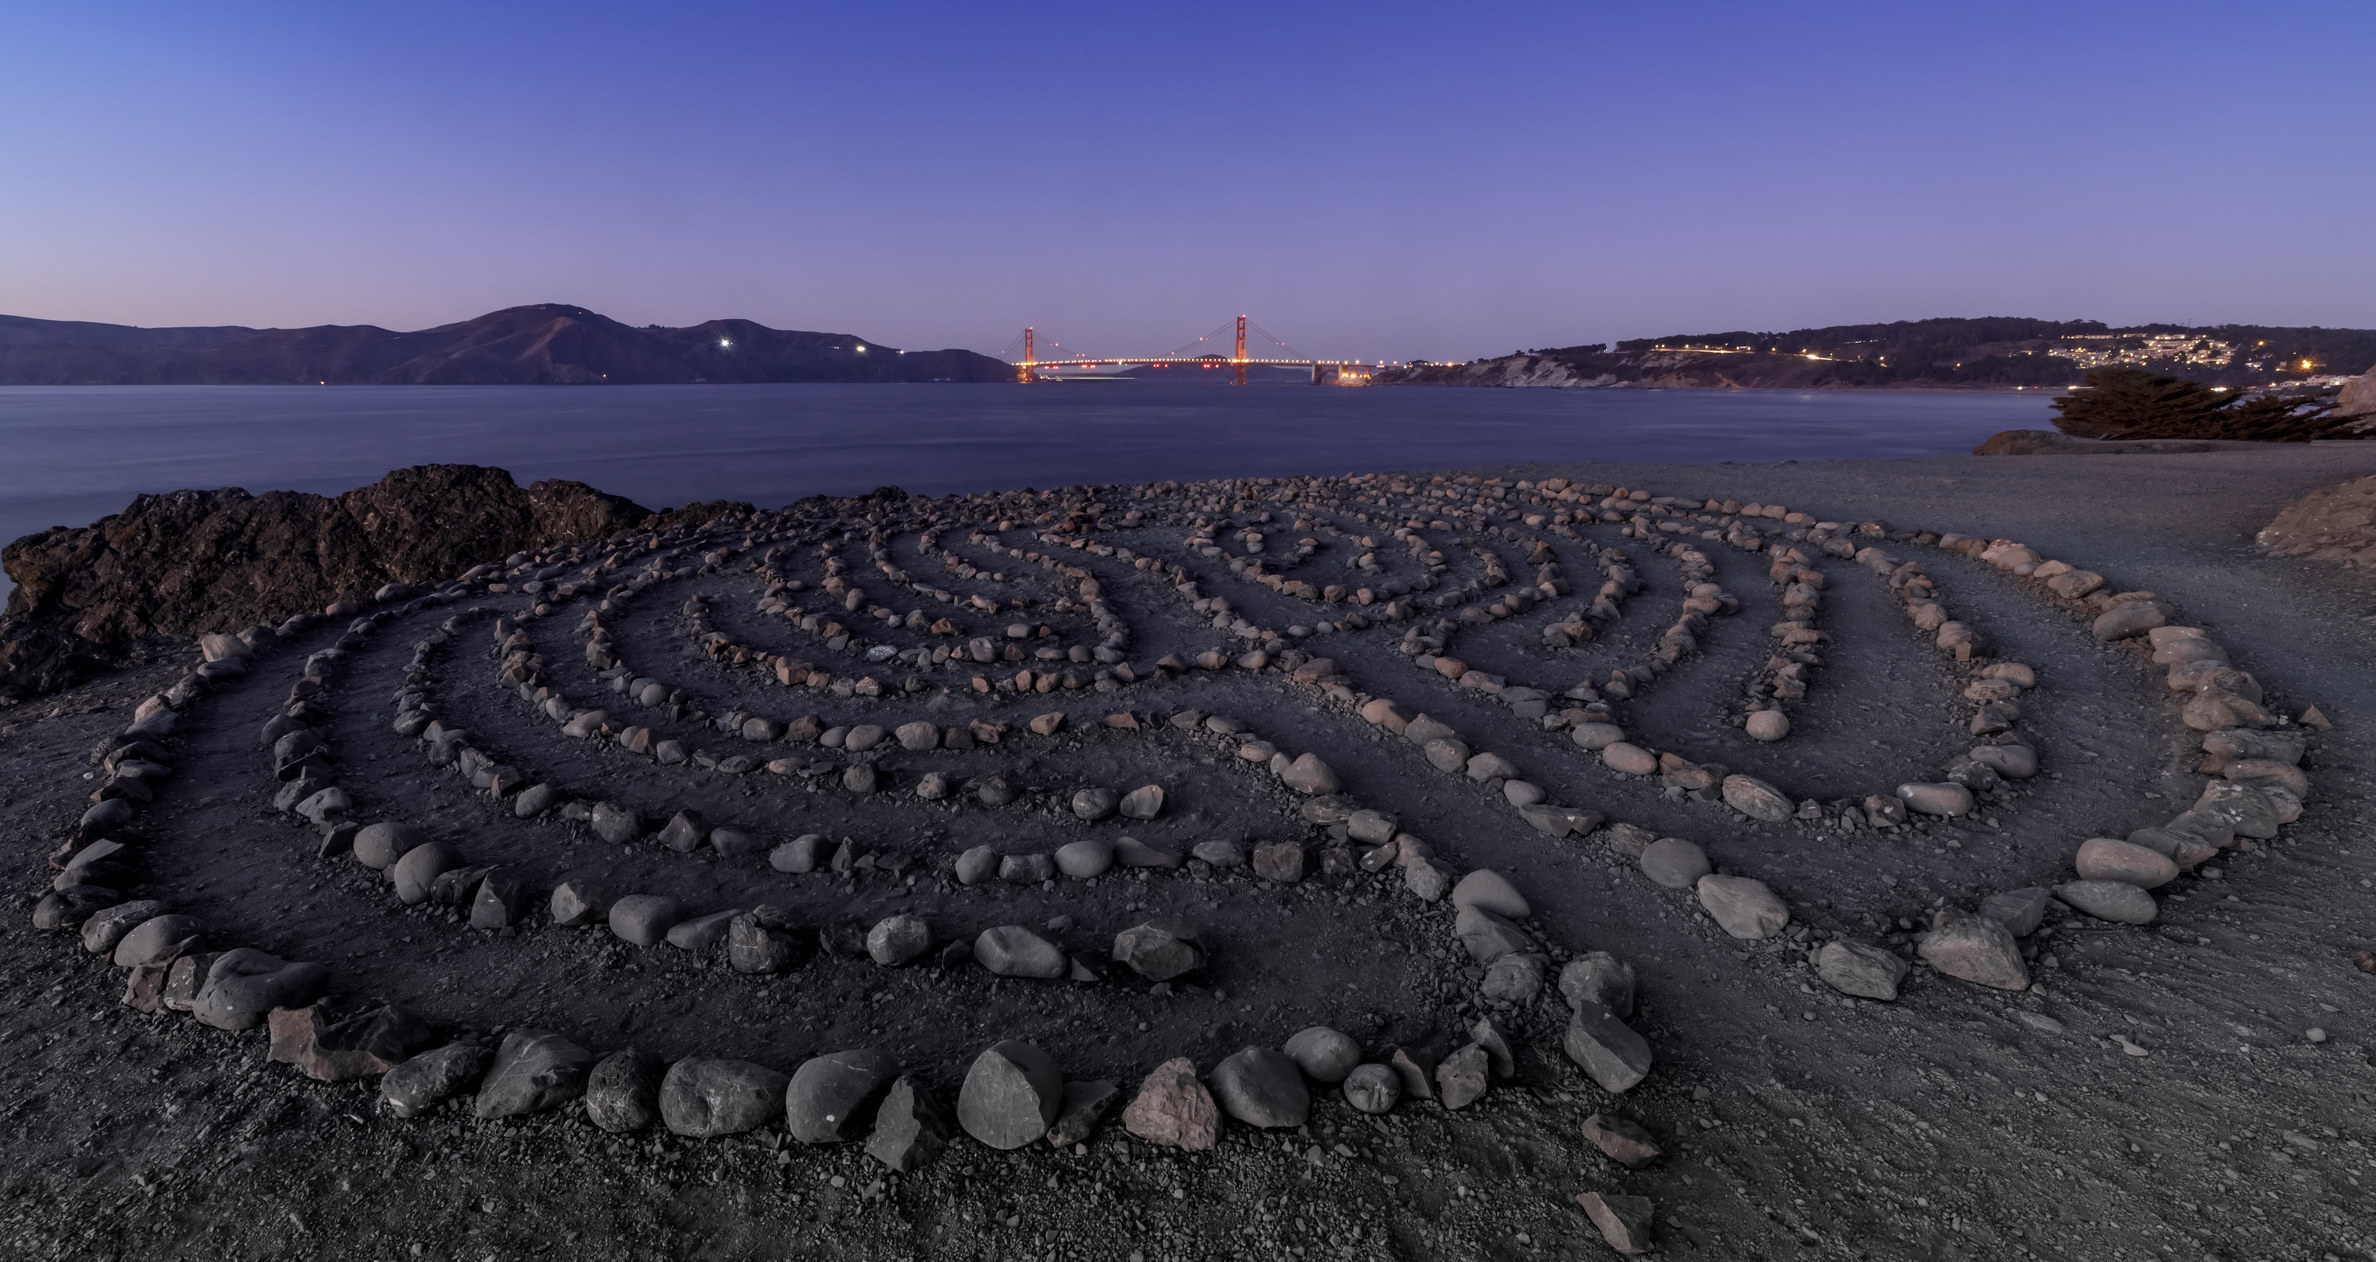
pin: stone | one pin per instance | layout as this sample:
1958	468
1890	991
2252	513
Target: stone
1514	979
831	1098
2013	762
1262	1087
1489	766
501	902
2019	911
2116	901
685	832
109	926
1281	862
575	903
1014	951
1086	858
1221	854
328	1047
1486	1033
705	1097
645	919
977	865
1757	799
1373	1088
1011	1096
910	1127
1095	803
1144	802
244	984
535	800
1085	1105
1974	949
1026	869
1596	736
897	940
918	736
434	1077
1675	863
623	1091
1743	906
1606	1048
1307	774
1172	1108
1598	978
1767	725
1936	799
1630	759
1414	1071
1622	1140
1463	1077
799	855
2127	619
156	940
534	1070
1323	1054
1624	1221
70	906
2106	859
1489	937
758	941
1853	968
1487	890
1427	879
458	886
379	845
615	824
1158	950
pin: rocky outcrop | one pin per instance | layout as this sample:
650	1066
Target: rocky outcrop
2358	397
2334	523
188	562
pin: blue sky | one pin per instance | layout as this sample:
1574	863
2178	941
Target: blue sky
1380	180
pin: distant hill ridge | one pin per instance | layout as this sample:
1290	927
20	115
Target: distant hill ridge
1985	353
546	344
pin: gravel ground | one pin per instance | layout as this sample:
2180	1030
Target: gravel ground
1956	1122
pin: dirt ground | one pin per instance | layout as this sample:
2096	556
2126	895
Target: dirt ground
1954	1122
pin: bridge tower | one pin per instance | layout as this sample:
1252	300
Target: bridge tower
1030	374
1241	351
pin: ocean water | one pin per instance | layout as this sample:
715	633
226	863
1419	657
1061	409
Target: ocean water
70	455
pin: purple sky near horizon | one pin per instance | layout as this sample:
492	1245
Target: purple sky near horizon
1382	180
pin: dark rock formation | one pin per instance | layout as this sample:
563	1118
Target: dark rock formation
188	562
2046	442
2335	523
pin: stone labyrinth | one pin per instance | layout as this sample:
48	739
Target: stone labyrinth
1006	818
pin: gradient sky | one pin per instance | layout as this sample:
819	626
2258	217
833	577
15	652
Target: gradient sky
1380	180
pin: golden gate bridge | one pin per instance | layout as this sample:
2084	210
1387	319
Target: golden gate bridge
1203	354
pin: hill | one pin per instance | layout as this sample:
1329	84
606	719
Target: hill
547	344
1997	353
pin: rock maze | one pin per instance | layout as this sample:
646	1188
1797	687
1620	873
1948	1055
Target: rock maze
1186	810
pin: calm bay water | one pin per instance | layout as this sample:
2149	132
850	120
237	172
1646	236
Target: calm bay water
70	455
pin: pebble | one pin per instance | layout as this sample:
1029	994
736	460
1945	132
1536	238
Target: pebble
897	940
1854	968
1086	858
1937	799
1262	1087
1624	1221
645	919
1012	1095
415	875
1158	950
1606	1048
1767	725
576	902
1095	803
2116	901
1743	906
1974	949
1630	759
434	1077
976	865
623	1091
706	1097
1464	1077
1014	951
1373	1088
2105	859
911	1127
1325	1055
1757	799
831	1098
534	1070
1598	978
1172	1108
1144	802
1675	863
381	844
1621	1140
